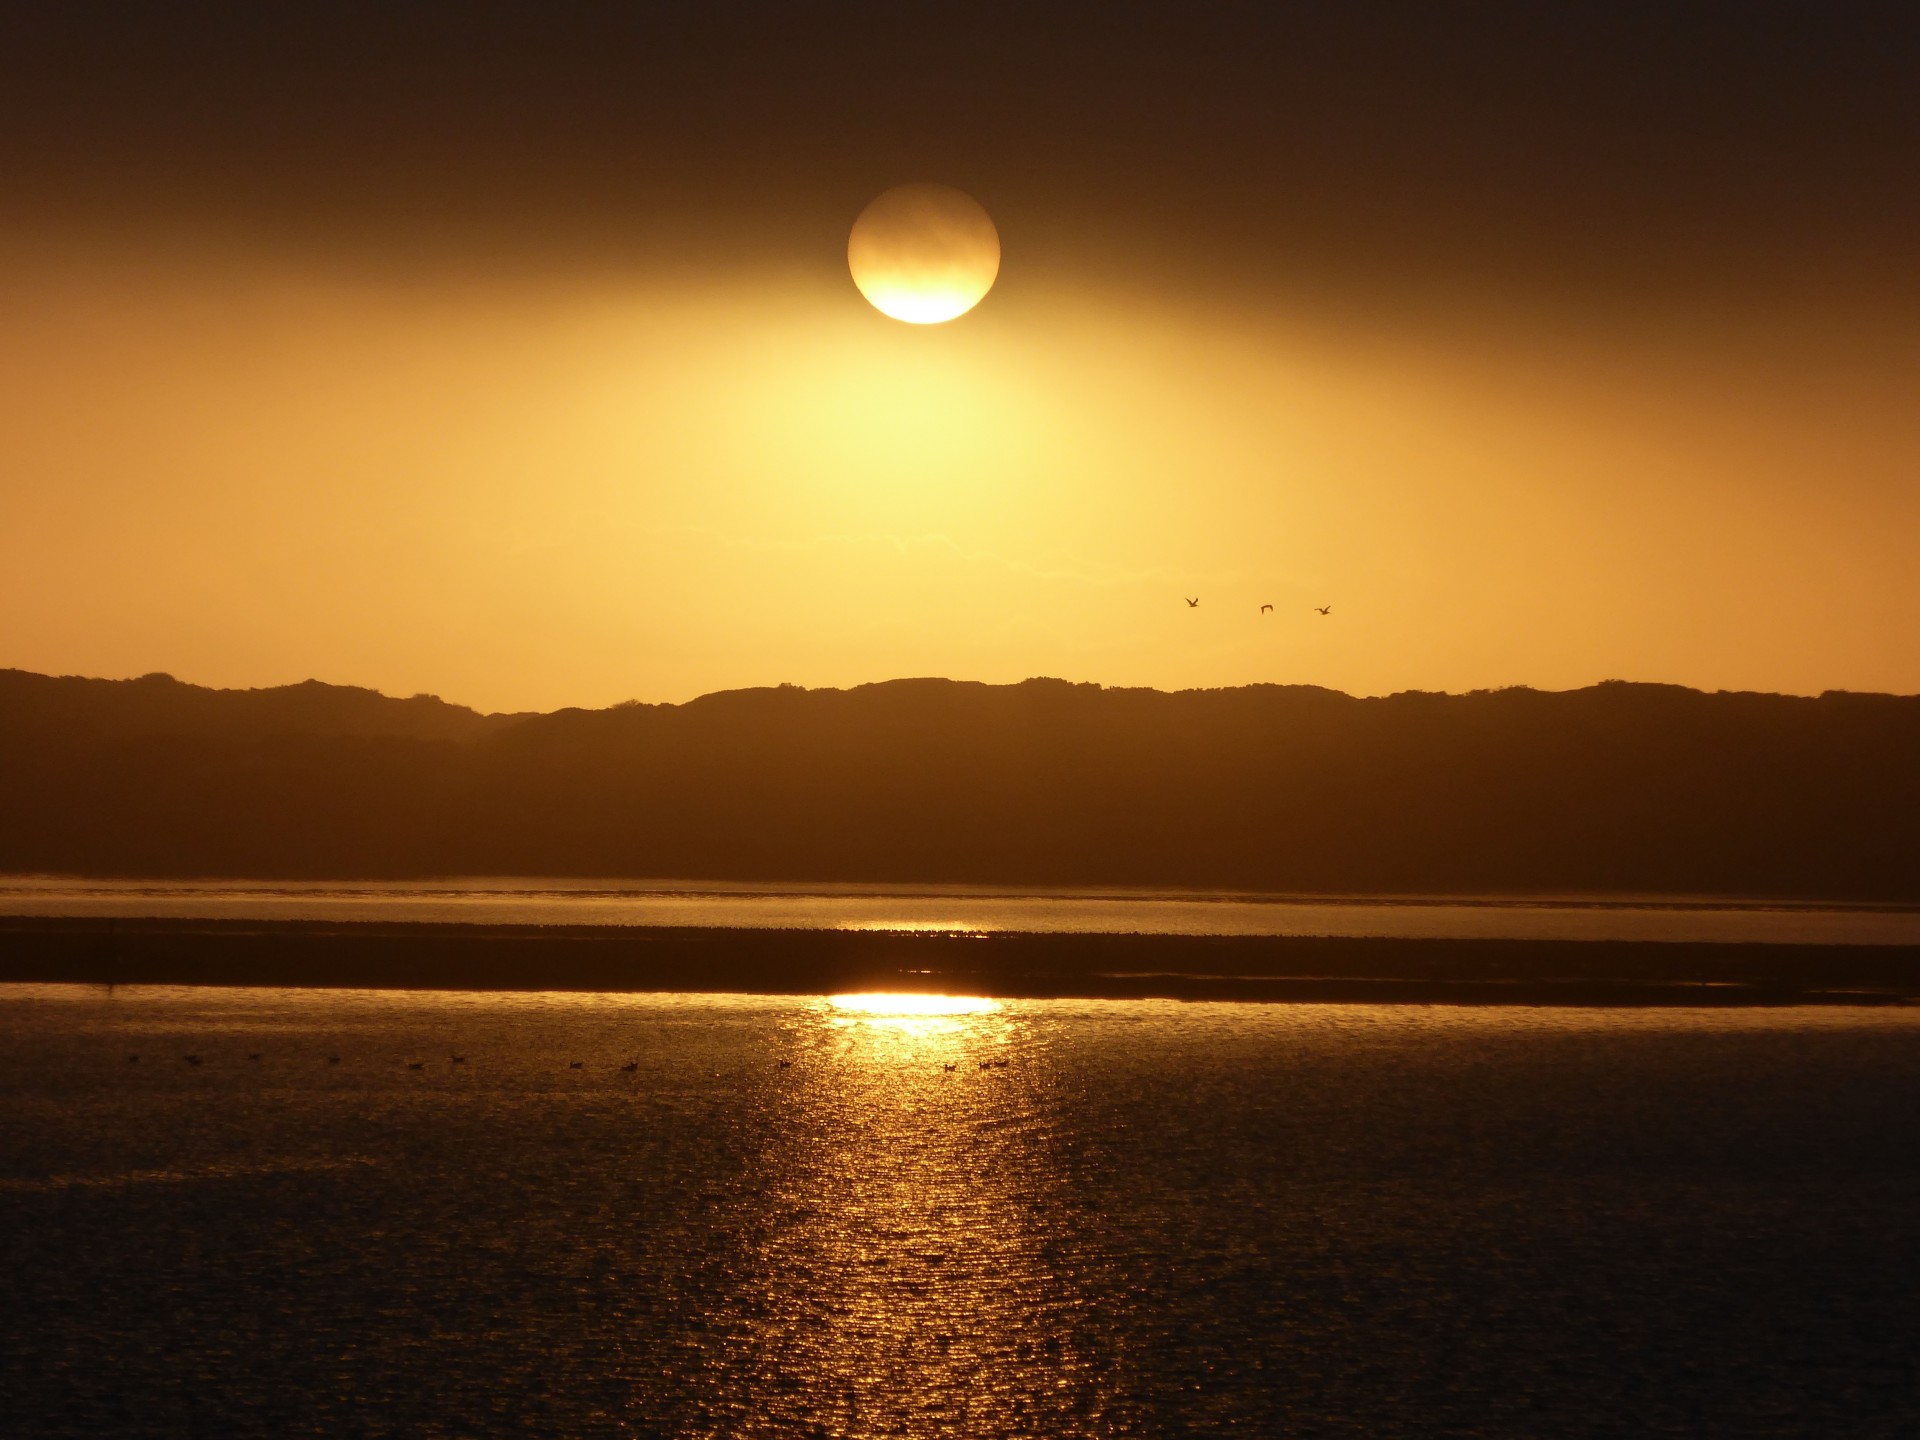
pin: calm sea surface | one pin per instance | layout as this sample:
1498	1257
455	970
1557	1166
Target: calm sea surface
872	907
777	1217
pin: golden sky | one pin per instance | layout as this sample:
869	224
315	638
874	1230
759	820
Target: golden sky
526	475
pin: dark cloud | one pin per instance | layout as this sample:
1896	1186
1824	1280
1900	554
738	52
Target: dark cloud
1594	141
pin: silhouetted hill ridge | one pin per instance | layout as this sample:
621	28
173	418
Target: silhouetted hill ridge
1616	787
158	704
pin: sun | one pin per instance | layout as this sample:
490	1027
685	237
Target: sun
924	253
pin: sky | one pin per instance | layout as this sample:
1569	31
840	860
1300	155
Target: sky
509	353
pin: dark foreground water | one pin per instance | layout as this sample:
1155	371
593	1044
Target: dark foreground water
1041	1219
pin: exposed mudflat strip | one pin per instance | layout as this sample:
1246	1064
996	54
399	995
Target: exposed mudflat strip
1312	969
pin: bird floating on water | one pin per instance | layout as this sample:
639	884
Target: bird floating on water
631	1066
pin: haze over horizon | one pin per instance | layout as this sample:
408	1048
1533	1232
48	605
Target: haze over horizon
511	356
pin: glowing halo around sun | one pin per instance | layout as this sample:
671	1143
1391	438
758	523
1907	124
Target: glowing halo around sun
924	253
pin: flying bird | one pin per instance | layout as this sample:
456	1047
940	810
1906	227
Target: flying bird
1265	608
1324	609
1193	603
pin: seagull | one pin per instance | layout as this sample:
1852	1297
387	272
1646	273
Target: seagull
456	1059
1265	608
416	1065
1324	609
576	1065
1194	603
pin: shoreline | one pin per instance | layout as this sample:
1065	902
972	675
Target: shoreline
1003	964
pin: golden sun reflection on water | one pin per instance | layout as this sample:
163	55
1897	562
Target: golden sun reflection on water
907	1003
915	1271
908	1029
919	927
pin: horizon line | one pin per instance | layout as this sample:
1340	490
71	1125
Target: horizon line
167	677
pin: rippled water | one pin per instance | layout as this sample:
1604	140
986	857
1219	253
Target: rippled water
498	901
775	1217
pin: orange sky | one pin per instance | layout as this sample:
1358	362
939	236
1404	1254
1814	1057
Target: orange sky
528	474
524	492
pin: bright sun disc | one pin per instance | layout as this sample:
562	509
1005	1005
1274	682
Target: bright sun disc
924	253
903	1004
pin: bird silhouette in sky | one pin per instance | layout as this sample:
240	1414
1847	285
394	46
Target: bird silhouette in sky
1193	603
1324	609
1265	608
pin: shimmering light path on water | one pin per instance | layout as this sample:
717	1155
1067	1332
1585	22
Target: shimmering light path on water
508	901
771	1217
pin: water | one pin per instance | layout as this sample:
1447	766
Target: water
972	908
1150	1220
